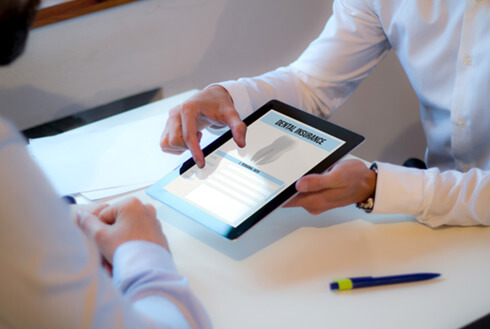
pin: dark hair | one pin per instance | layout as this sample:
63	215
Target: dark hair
16	18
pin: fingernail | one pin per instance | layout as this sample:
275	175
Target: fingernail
300	186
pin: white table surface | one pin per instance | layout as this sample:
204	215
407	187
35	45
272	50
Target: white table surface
277	274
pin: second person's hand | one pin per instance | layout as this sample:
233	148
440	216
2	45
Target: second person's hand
128	220
211	106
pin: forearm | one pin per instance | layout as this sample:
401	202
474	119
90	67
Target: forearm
327	72
147	277
434	198
285	84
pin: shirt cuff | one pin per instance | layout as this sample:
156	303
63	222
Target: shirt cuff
399	190
133	259
240	96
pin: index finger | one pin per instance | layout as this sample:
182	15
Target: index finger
237	127
191	136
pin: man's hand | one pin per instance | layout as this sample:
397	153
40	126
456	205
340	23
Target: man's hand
350	181
116	224
92	208
212	105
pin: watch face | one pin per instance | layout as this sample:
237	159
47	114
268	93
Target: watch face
367	205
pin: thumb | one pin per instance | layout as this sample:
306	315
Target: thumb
314	183
89	223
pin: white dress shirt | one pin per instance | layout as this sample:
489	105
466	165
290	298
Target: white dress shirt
444	47
51	274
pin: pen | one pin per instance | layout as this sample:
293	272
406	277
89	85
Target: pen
369	281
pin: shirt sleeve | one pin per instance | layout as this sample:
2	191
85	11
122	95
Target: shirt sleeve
328	71
51	273
145	273
435	198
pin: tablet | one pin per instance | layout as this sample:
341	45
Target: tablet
240	186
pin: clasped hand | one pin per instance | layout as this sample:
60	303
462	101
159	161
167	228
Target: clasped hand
109	226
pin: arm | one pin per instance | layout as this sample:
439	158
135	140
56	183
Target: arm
51	275
435	198
130	238
168	299
329	70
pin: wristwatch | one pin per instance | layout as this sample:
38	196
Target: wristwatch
368	204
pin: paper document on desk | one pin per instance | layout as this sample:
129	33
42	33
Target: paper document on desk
108	161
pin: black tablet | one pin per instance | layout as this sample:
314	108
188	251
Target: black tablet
240	186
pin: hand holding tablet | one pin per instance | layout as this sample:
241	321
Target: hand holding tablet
240	186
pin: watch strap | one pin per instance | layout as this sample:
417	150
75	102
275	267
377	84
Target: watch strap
368	204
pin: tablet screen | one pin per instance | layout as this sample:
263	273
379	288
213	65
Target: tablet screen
236	182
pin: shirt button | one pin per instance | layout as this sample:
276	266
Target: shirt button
468	60
461	123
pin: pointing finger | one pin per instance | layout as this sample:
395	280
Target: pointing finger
191	136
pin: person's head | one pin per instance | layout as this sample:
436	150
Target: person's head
16	17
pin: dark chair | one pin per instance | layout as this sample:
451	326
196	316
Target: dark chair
415	163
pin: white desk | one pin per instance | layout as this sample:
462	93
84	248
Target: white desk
277	274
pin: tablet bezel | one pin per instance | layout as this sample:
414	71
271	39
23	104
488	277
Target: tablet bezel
351	140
